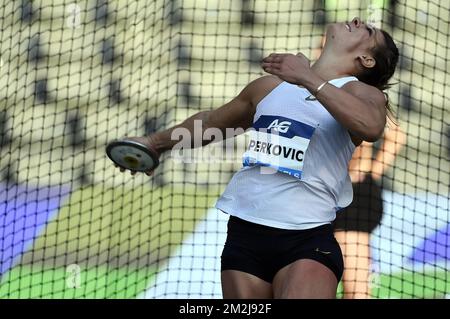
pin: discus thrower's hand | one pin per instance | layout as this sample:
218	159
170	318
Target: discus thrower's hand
288	67
148	142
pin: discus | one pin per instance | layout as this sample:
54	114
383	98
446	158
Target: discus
132	155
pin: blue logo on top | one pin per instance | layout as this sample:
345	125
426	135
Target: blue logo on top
283	126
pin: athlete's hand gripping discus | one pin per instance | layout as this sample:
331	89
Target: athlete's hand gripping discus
132	155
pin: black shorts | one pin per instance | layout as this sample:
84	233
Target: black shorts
365	212
262	251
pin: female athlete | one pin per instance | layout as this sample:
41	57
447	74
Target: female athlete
305	123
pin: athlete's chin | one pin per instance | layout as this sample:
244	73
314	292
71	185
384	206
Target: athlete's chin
333	31
334	27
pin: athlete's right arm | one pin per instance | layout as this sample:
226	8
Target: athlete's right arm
238	113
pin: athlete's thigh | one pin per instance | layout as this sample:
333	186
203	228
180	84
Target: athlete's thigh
305	278
241	285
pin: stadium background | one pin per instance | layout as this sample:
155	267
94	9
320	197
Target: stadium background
77	74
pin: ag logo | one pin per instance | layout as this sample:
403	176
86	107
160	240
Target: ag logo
281	127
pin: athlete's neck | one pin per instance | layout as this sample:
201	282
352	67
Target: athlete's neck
329	69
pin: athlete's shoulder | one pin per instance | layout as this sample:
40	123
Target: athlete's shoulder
266	82
259	88
362	89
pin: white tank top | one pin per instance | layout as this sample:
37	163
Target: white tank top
295	171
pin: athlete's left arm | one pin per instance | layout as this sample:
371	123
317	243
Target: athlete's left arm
359	107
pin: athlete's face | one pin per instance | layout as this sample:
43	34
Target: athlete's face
355	38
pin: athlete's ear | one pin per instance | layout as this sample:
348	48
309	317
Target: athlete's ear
367	61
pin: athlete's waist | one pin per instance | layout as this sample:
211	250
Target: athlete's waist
311	227
277	217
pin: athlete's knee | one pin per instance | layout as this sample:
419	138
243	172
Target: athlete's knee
315	291
241	285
